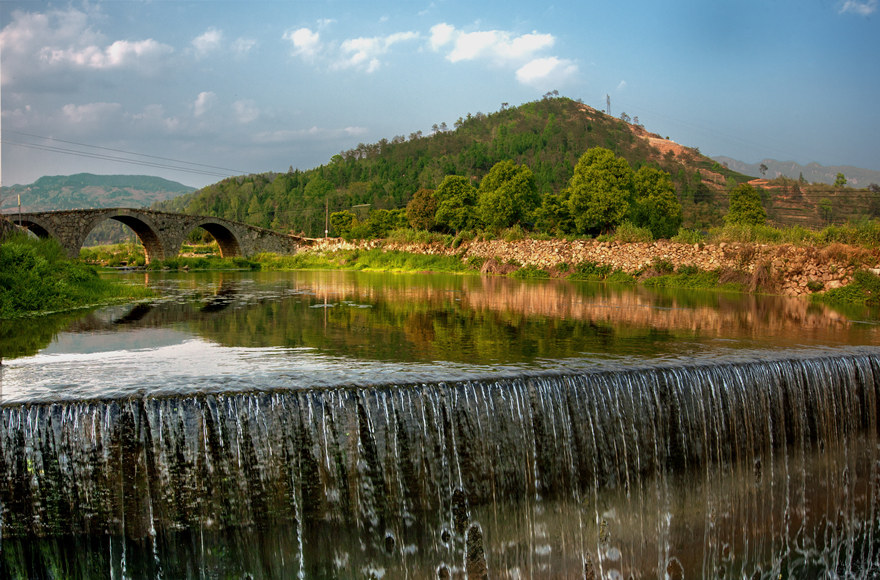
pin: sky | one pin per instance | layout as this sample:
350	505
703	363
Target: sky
195	91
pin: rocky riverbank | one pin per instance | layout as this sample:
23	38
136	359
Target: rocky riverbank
780	269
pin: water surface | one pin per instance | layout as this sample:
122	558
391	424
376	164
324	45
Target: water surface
229	331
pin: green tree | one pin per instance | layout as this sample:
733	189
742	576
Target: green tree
421	209
456	203
826	210
655	205
599	191
553	216
840	180
342	222
745	206
507	195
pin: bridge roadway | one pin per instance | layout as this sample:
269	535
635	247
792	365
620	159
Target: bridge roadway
161	233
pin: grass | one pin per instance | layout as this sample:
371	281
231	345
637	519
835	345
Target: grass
203	263
36	277
862	233
367	260
864	289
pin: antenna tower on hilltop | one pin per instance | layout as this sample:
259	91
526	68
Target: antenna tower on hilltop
608	103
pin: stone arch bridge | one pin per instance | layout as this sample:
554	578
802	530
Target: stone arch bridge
161	233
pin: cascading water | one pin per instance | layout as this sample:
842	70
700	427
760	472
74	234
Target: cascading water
747	469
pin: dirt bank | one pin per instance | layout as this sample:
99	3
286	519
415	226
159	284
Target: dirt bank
783	269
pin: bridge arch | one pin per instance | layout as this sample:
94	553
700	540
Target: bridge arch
230	246
33	226
145	231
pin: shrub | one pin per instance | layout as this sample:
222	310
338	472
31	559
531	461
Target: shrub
685	236
627	232
815	286
530	272
590	271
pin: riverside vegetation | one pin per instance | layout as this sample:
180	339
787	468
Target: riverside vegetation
36	277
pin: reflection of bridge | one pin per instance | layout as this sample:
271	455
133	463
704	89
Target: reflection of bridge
161	233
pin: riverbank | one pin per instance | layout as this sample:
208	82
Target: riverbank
784	269
37	278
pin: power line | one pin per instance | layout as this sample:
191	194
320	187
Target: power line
175	164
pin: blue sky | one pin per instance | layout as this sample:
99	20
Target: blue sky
226	87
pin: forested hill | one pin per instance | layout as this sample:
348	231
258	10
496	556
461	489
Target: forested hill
85	190
549	136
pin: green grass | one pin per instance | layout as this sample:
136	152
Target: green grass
864	233
204	263
864	289
368	260
36	277
530	273
693	278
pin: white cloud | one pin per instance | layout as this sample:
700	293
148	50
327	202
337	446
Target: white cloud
860	8
503	48
543	73
621	85
203	103
45	47
364	53
441	35
246	111
209	41
497	45
120	54
305	42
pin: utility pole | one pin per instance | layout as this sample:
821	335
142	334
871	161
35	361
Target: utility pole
326	217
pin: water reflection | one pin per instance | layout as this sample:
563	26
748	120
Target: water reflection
304	329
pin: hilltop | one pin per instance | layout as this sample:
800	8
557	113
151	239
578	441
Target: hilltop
548	136
85	190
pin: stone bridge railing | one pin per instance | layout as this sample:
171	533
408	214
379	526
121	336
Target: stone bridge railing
161	233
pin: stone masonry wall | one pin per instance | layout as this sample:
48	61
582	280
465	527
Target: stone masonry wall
788	268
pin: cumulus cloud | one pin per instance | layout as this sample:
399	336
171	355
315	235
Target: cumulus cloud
441	35
45	47
546	72
306	42
364	53
504	48
497	45
203	103
858	7
209	41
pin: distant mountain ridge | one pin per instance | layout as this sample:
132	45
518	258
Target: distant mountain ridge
86	190
812	172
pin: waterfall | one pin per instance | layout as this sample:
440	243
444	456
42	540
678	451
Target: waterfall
748	469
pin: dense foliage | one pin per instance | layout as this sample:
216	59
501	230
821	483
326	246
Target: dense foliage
546	137
36	276
745	207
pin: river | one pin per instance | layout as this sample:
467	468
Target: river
349	424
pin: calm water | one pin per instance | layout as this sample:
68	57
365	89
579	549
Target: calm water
232	331
352	425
